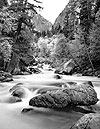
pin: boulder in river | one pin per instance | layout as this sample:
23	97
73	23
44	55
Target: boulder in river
83	95
18	85
20	91
57	76
25	110
88	121
69	66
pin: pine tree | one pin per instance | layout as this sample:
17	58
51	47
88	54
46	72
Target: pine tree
16	24
95	40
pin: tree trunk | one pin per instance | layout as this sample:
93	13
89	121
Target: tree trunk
14	63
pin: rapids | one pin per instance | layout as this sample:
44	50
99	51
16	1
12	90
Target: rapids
38	118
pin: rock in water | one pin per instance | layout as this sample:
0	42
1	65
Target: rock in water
7	80
20	91
57	76
82	95
14	99
69	65
5	77
88	121
25	110
67	69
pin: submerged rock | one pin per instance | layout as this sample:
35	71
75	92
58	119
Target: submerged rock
90	109
25	110
14	99
57	76
82	95
88	121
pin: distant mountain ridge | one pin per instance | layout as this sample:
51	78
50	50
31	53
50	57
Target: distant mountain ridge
40	22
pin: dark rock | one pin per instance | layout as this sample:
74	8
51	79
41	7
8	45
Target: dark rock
25	110
50	69
5	76
57	71
82	95
88	121
35	70
72	83
97	73
7	80
57	76
1	73
69	66
92	108
84	109
2	78
17	73
18	92
99	76
89	82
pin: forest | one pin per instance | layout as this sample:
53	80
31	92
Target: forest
22	45
49	73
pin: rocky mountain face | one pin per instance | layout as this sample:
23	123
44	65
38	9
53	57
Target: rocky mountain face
59	22
41	23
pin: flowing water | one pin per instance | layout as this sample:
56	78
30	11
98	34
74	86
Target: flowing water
38	118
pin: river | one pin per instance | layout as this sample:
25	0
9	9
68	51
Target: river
39	118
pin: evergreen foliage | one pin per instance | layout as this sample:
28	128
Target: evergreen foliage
15	23
81	28
95	40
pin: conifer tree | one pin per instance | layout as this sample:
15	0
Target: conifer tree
16	24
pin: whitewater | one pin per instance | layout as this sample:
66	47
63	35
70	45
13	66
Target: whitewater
11	116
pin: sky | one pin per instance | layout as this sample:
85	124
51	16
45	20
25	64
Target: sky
52	8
